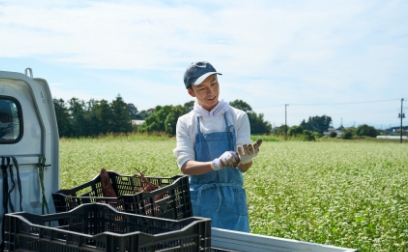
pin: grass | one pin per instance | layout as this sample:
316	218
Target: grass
351	194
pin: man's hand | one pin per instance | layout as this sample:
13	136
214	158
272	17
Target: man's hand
248	151
227	159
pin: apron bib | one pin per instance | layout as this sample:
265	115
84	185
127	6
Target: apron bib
219	195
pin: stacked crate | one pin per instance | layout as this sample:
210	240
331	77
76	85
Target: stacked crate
171	200
87	221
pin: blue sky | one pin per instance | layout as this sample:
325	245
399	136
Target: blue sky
345	59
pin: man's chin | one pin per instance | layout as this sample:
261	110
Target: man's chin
212	102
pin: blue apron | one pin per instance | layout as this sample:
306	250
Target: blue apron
219	195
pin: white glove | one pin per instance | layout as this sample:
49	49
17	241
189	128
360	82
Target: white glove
248	151
227	159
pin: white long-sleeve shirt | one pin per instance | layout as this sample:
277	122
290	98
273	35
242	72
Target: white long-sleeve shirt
186	131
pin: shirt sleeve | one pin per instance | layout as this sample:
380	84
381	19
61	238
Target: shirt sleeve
243	129
184	150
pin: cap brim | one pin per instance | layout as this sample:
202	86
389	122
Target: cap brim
203	77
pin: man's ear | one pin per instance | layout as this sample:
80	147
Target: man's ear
191	92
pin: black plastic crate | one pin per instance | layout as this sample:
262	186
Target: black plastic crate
171	200
95	227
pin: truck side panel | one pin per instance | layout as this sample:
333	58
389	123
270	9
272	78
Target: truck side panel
234	241
37	138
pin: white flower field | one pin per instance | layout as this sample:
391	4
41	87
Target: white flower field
350	194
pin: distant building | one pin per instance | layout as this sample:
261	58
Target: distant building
398	131
393	137
137	122
330	130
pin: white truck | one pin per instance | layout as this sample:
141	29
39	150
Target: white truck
29	160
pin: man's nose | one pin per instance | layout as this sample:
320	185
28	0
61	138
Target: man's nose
210	90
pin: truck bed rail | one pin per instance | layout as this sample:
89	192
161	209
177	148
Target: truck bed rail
228	240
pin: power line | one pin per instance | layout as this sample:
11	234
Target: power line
270	106
320	104
344	103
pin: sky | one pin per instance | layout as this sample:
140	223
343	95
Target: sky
289	60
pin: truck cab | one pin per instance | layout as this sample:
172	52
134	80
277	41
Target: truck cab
29	152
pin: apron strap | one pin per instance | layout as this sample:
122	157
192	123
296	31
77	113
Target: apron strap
198	124
230	129
226	122
227	126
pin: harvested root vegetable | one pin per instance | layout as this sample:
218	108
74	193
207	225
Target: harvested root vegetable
149	187
107	188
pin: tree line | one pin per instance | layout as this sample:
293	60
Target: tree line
315	126
77	118
164	118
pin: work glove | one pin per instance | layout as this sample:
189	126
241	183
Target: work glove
227	159
248	151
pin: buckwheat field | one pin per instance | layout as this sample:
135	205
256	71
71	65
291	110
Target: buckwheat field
350	194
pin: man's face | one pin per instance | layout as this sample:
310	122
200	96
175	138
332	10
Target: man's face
207	92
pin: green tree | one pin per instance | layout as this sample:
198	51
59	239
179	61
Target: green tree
77	115
156	121
348	133
333	134
90	127
281	130
101	115
134	113
308	136
295	130
164	118
63	118
92	118
240	104
365	130
258	124
317	123
121	120
171	120
145	113
188	106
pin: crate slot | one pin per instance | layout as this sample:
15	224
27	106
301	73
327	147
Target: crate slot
172	199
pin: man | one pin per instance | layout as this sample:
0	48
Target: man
208	139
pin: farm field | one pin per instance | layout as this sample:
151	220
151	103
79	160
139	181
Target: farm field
351	194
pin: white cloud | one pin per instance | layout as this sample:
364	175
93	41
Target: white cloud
107	35
269	51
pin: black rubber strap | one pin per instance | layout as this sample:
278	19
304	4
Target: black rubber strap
5	163
10	203
41	168
18	181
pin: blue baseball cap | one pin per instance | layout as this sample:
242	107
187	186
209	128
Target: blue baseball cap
197	72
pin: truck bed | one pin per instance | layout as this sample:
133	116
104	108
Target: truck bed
228	240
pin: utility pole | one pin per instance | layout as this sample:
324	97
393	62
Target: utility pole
402	115
286	124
